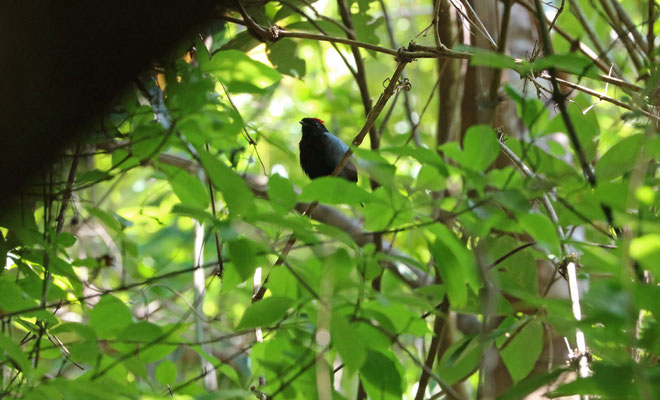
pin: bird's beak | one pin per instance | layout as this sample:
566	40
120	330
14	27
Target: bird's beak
301	123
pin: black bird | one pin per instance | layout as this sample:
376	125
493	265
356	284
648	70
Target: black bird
321	151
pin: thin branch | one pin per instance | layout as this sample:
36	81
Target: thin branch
68	189
650	35
361	77
218	245
406	95
640	41
584	49
591	33
320	29
560	98
501	47
598	95
472	15
616	25
571	268
510	254
407	54
439	326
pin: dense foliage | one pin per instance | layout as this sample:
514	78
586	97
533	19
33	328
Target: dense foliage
178	249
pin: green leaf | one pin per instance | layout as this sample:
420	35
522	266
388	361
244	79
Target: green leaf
521	353
531	110
429	178
282	54
391	209
13	298
571	63
421	154
242	255
459	360
240	72
192	212
235	191
11	351
451	273
189	189
281	193
109	317
463	256
108	219
166	373
265	312
481	147
620	158
530	384
382	375
485	58
65	239
334	190
646	250
365	27
542	230
348	342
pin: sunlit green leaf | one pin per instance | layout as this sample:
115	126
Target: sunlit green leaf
235	191
348	342
240	72
521	353
109	316
333	190
166	372
264	312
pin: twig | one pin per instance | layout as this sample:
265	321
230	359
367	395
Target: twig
640	41
571	268
320	29
281	33
591	33
406	95
650	35
584	49
439	326
67	191
218	246
509	254
501	47
331	20
473	15
616	25
598	95
559	98
361	77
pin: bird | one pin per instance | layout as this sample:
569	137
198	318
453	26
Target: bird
321	151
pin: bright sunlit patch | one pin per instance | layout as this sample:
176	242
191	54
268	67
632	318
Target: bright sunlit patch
276	109
259	54
401	127
335	65
279	170
138	186
403	24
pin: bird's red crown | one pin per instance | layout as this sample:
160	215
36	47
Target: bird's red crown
322	123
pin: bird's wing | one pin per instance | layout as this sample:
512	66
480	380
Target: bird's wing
338	148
